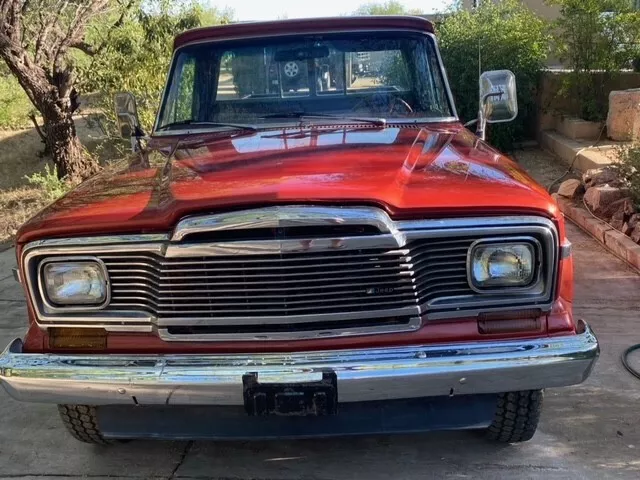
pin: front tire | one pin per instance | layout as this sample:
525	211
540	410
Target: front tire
81	422
516	417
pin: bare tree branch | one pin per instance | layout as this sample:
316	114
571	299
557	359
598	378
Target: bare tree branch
37	127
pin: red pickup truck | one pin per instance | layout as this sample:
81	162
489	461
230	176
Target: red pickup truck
309	242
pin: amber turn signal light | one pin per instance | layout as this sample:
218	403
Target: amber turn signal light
515	321
80	338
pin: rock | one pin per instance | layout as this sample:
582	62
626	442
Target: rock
601	176
600	198
633	221
571	188
618	219
626	229
635	234
623	120
619	210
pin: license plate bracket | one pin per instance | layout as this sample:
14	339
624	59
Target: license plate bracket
291	399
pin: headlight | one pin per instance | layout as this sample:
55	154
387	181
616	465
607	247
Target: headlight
502	265
74	283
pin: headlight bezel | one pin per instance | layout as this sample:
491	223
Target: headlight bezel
536	277
53	307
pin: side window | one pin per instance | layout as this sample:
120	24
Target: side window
441	103
184	97
180	95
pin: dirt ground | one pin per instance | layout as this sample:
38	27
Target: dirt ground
20	156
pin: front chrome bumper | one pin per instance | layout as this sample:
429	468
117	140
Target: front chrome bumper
363	375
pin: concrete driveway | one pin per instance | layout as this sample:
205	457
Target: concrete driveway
587	432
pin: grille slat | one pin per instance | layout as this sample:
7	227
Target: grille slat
306	259
218	273
363	279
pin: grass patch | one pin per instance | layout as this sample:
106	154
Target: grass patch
14	104
17	206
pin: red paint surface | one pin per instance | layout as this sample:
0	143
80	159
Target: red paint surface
437	171
302	26
441	170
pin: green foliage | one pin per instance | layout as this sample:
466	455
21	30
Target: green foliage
15	106
601	35
629	169
136	55
49	183
507	35
391	7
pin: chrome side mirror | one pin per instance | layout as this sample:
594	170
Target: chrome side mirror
127	117
498	99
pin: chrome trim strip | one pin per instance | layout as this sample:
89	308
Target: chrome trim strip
445	225
293	319
413	324
267	247
284	216
363	374
100	240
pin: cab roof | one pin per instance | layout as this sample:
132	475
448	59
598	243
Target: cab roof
304	25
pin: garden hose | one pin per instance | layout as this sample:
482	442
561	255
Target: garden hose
625	360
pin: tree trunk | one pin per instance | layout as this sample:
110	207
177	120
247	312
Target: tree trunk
68	154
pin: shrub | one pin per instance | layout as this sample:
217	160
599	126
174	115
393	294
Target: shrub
629	169
49	183
505	35
136	56
595	35
15	106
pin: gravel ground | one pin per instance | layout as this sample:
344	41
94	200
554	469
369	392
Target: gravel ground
543	167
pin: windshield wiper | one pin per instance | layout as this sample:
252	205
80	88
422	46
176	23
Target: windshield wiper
381	122
195	123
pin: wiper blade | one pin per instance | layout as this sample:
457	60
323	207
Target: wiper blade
381	122
195	123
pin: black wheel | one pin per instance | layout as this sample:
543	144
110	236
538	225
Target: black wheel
82	422
517	415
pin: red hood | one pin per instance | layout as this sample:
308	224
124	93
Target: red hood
434	171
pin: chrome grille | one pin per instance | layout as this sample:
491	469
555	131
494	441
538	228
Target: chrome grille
269	286
293	272
262	285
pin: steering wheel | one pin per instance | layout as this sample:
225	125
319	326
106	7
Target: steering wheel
397	101
383	103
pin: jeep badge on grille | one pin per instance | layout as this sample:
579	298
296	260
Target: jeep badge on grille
380	290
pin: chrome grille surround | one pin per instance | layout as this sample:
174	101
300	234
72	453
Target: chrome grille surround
426	260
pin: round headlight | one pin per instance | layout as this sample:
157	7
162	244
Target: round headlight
502	265
74	283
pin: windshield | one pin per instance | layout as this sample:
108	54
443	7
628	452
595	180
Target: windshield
266	81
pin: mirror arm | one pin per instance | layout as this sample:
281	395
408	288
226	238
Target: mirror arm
481	129
136	137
